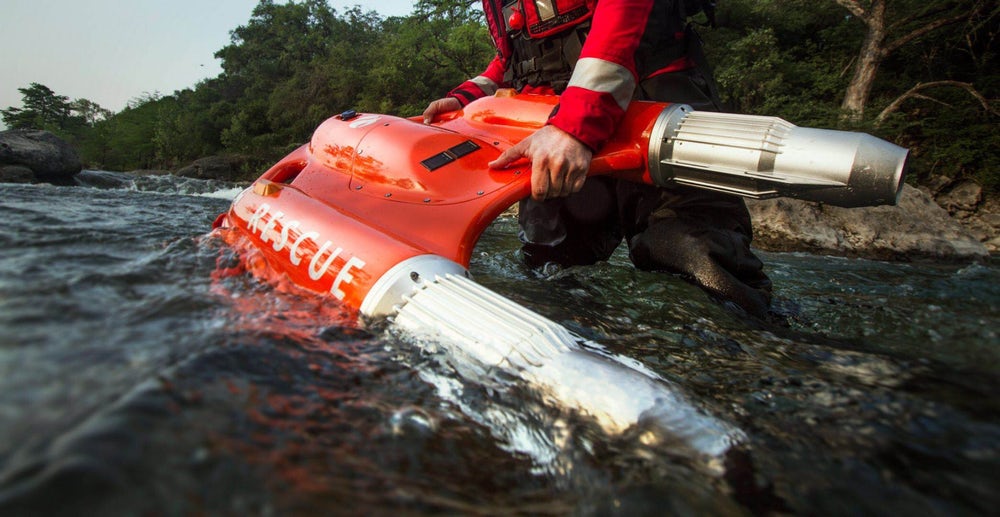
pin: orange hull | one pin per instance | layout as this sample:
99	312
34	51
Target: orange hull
371	191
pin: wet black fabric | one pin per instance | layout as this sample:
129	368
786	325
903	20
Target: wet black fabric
579	230
701	235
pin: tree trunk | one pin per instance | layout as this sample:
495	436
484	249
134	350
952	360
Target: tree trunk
860	86
872	54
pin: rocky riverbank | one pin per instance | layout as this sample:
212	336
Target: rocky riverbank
31	156
918	227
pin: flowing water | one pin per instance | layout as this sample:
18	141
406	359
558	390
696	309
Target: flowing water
140	376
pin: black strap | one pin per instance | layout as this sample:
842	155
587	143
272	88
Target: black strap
546	61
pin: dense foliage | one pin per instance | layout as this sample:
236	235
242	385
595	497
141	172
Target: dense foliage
798	59
931	85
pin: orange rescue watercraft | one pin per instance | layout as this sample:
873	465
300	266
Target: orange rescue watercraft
382	213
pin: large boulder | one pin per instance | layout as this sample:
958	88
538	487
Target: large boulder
916	228
50	158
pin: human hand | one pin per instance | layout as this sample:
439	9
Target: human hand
559	162
440	106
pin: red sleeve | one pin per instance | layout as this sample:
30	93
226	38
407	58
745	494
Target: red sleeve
589	116
482	85
605	77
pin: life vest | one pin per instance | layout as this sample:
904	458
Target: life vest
541	40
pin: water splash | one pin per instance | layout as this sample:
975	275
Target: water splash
163	184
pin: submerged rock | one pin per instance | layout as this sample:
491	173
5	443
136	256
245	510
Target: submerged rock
104	179
150	172
48	157
223	168
916	228
16	174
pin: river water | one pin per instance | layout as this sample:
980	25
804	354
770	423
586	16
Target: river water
138	378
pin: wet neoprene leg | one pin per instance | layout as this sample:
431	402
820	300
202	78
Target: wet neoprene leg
703	236
579	230
718	261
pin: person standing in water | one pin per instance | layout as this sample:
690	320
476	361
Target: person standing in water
598	56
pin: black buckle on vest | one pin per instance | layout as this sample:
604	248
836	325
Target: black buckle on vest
527	66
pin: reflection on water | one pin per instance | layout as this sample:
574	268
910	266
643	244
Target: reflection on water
135	378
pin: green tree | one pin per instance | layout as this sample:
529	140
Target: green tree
277	42
126	141
327	83
89	112
190	123
421	57
42	109
780	57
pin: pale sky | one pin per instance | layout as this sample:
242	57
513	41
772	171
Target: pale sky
111	51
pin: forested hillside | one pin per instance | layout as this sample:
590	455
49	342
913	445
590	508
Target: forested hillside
922	73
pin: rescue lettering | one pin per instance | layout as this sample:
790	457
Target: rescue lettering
272	227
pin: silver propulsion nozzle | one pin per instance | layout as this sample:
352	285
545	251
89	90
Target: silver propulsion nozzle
763	157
